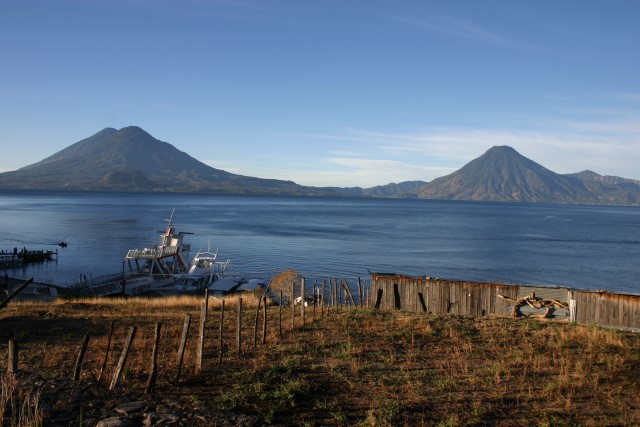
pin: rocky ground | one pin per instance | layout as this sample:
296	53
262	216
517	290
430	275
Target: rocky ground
64	402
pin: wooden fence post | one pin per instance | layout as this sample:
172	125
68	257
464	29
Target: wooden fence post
322	304
239	327
83	349
264	320
12	367
255	324
348	294
221	332
359	292
106	352
315	302
183	344
302	286
337	292
367	296
280	315
203	320
153	375
123	357
293	303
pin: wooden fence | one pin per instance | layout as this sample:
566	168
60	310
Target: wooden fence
422	294
306	303
603	308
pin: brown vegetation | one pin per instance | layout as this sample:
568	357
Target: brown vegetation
352	367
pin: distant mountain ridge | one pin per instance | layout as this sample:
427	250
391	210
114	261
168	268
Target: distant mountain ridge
130	159
133	160
502	174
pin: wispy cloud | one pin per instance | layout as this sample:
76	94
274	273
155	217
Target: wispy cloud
621	96
445	24
608	146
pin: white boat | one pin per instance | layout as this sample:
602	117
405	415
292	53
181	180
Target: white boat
144	270
204	270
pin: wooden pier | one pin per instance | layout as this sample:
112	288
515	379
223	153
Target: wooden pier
17	258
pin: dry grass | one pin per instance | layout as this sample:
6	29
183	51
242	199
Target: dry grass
357	367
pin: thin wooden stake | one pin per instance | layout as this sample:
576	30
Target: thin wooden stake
292	302
203	320
123	357
359	292
83	349
221	333
348	293
322	303
315	302
264	320
367	297
302	316
12	367
183	345
106	352
280	315
337	292
239	327
153	375
255	324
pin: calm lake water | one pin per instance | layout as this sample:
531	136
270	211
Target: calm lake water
594	247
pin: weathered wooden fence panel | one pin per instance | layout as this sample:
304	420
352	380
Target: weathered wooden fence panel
441	296
606	309
419	294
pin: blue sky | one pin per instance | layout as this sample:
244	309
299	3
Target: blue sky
326	92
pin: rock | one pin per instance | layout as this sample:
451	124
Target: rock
130	408
116	422
159	419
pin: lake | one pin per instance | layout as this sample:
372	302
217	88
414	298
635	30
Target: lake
592	247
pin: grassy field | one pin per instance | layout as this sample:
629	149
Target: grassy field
357	366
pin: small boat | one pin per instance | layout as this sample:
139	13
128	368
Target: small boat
143	270
236	285
204	270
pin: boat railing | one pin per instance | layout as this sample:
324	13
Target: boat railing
104	278
221	266
148	253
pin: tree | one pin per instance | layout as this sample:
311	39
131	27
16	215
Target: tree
284	282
